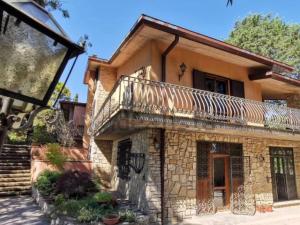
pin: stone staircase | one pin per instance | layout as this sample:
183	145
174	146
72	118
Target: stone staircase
15	177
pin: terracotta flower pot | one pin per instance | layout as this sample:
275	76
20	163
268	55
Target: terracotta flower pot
111	219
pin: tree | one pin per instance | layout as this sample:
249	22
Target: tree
65	95
53	5
76	98
269	36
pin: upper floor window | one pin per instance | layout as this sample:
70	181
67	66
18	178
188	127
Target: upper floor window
218	84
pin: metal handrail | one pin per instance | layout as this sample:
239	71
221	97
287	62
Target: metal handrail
160	98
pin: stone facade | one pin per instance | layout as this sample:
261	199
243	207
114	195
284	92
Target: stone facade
180	198
180	169
142	189
101	154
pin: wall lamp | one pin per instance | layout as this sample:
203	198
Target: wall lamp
182	69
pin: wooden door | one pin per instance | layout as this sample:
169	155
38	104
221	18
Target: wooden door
221	180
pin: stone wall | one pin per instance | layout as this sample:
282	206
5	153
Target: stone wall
180	170
101	154
142	189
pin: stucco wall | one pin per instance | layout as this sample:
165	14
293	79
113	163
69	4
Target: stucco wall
77	159
203	63
140	60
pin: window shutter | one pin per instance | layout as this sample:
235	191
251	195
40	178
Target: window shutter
198	79
237	88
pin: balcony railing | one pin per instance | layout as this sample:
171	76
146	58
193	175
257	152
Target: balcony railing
159	98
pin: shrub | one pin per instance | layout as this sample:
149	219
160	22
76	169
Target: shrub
103	197
46	182
127	216
84	210
55	156
41	135
75	184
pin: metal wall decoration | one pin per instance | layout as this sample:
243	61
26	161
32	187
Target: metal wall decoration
123	159
206	207
242	199
137	162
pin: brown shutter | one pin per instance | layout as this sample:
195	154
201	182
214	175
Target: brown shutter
237	88
198	79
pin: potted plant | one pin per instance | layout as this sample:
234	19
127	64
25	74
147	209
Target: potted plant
111	218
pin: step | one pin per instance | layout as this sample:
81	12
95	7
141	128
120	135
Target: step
16	146
15	184
14	157
14	160
21	171
17	163
6	151
15	179
13	154
12	193
11	168
15	175
15	188
286	203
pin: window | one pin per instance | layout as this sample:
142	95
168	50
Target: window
218	84
123	159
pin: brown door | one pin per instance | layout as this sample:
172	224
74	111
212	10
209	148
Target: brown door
221	181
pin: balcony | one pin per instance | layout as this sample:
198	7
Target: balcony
172	103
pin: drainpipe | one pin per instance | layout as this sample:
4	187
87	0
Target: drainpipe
162	130
164	58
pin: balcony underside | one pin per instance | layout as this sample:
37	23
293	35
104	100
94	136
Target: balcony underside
125	122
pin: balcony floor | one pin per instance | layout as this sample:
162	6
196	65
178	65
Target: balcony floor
125	122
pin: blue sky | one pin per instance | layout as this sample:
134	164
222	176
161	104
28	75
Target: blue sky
107	22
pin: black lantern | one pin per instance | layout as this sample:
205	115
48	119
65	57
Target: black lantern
34	51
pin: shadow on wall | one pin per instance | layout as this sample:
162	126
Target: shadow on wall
101	157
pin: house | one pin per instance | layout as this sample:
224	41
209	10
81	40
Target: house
183	124
74	112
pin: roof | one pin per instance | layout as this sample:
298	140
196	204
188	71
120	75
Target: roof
72	103
191	37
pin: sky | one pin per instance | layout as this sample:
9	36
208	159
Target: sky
107	22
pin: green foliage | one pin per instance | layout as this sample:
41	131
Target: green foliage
15	137
46	182
268	36
76	98
53	5
75	184
65	95
127	216
84	210
103	197
41	135
55	156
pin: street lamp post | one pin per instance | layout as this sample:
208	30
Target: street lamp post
34	51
